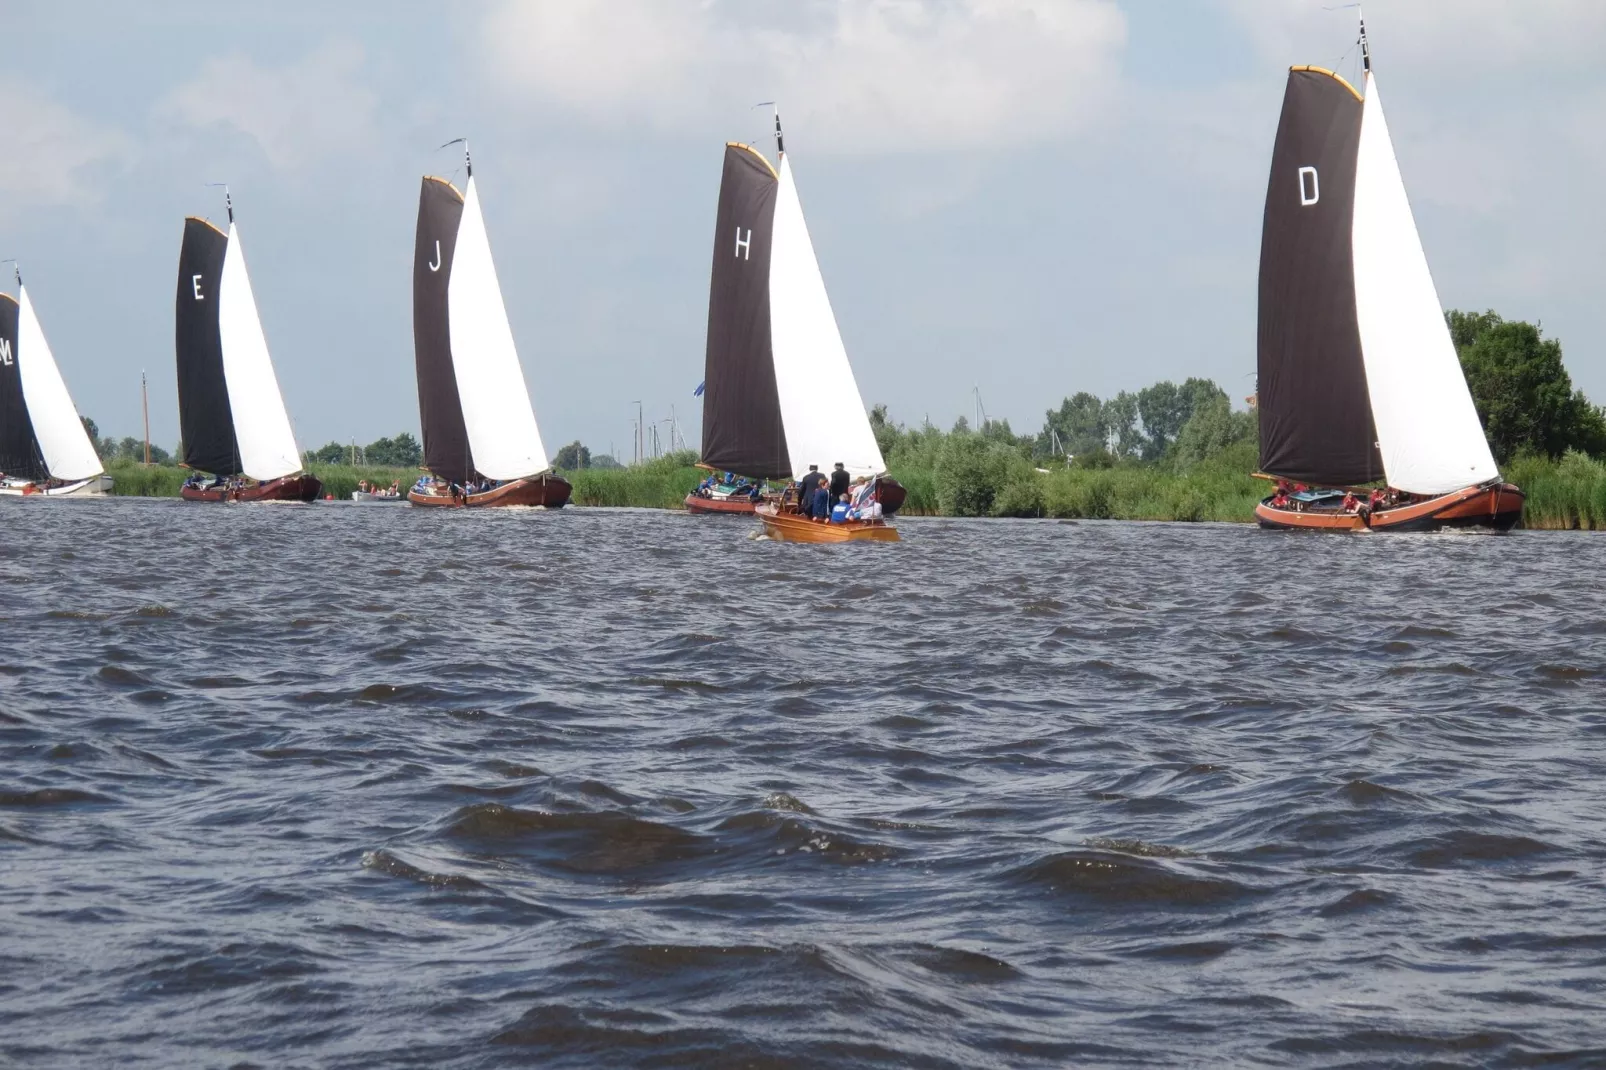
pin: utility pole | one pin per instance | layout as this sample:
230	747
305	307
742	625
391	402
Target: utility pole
641	435
145	410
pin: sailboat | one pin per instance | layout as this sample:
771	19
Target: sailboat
480	438
44	449
779	394
1359	381
231	415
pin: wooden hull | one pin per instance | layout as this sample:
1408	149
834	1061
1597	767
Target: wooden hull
296	488
789	527
548	491
726	506
1497	507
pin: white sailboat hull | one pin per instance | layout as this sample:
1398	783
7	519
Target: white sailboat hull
94	486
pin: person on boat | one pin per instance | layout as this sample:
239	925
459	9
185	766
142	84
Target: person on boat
1351	502
820	503
840	511
839	481
810	484
1280	499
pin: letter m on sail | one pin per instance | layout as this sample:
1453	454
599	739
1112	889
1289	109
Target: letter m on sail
5	352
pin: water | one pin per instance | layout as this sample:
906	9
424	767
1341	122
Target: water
367	786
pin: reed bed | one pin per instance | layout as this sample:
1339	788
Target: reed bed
654	485
1565	494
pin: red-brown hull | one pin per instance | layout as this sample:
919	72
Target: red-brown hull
727	506
1498	507
548	491
296	488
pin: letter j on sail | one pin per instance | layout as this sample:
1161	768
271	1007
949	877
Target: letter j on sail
1310	187
744	243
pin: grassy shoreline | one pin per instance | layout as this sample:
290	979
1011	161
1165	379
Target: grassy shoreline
1569	494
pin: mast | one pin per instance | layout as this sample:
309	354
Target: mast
1428	430
267	445
821	409
145	411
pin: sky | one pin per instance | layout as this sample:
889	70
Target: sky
1022	197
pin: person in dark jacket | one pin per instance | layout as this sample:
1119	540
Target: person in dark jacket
806	489
839	481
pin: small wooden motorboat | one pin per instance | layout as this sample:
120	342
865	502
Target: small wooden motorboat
789	526
369	497
779	392
44	450
546	491
1359	382
475	411
231	412
295	488
716	504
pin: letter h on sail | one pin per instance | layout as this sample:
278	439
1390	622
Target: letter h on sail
744	244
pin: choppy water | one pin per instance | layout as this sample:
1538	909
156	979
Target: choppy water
368	786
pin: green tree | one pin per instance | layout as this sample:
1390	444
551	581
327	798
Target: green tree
1121	418
1165	407
1523	394
403	451
103	450
1212	429
1079	425
572	457
332	453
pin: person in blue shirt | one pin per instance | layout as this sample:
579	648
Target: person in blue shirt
839	511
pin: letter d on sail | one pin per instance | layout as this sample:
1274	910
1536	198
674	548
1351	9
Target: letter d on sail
436	266
744	244
1310	187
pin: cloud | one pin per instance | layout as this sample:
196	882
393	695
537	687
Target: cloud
297	115
52	153
1482	33
865	74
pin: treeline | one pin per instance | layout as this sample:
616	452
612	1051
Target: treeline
127	450
402	451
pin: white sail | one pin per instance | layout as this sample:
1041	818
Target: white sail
68	453
821	409
490	384
261	425
1427	427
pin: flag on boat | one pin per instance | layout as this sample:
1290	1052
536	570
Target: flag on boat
699	391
